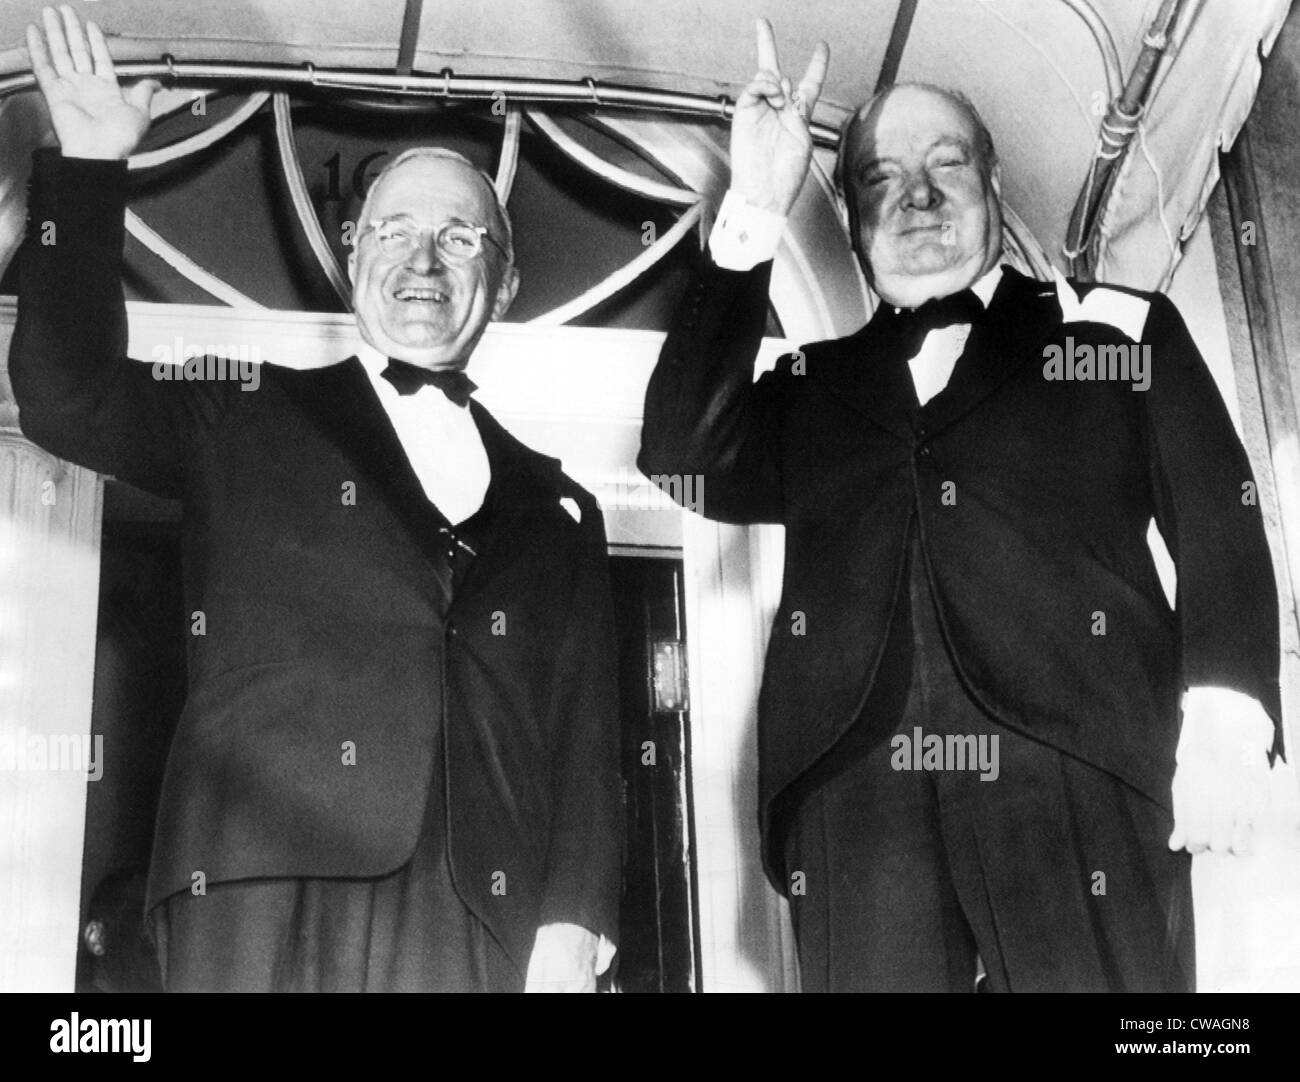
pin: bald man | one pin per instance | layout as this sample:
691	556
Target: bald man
987	745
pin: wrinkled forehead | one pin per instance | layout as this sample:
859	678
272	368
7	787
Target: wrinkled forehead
431	190
908	122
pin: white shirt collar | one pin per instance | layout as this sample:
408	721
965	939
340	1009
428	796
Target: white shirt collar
373	361
988	285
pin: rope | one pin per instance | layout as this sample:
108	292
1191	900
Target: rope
203	139
625	275
1117	129
622	178
292	168
185	266
1105	43
508	164
1056	68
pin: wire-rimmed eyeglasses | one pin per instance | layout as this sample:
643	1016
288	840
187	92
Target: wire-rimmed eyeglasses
457	241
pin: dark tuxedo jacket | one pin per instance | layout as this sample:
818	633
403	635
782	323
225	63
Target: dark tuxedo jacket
1031	499
329	621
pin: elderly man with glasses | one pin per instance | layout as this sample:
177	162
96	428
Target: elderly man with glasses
397	765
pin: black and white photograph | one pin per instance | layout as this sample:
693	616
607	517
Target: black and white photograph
650	497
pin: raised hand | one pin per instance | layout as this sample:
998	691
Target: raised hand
91	116
771	145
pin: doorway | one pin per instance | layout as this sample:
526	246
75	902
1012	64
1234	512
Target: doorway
659	940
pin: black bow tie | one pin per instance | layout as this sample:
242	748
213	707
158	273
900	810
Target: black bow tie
409	378
963	307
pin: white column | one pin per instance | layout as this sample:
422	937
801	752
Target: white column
731	593
49	582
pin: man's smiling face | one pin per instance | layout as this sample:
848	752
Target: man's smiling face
923	201
418	306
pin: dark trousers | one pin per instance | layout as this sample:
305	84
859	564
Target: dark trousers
1057	874
404	932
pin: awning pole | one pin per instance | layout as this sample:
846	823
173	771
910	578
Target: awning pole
1117	130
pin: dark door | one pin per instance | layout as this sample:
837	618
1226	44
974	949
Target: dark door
659	937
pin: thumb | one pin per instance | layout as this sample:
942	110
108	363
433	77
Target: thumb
141	94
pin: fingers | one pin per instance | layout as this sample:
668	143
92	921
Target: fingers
1215	810
1243	833
545	985
767	58
1196	823
810	86
103	59
1222	823
559	987
801	99
57	43
42	68
76	41
559	974
1193	787
1249	807
765	86
1178	839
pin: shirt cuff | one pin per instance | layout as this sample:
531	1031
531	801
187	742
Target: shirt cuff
744	235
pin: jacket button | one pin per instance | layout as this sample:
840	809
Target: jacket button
924	452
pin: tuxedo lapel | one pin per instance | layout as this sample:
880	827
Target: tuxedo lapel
869	369
868	372
341	403
1021	316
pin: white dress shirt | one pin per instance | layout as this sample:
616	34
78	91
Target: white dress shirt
745	236
440	439
933	364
